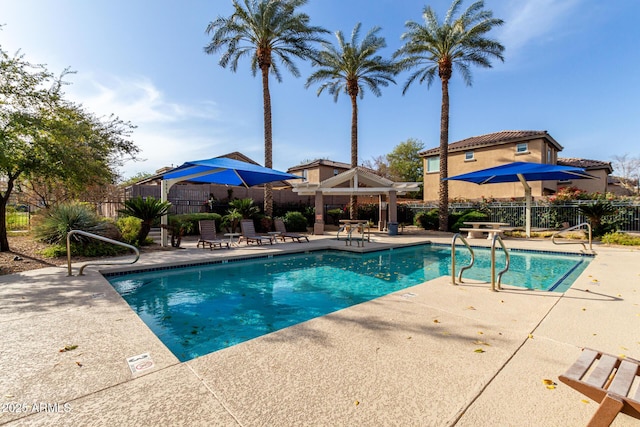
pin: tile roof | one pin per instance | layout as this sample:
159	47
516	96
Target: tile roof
320	162
496	138
584	163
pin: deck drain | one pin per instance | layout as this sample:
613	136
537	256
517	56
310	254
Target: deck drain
140	363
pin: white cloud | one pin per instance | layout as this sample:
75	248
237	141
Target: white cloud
527	21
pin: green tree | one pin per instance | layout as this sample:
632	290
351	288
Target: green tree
436	48
348	68
265	30
148	210
45	138
405	163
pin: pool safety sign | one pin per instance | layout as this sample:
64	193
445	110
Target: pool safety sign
140	363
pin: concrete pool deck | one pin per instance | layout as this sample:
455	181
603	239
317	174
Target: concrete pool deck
409	358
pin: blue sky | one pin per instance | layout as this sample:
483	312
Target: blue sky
572	67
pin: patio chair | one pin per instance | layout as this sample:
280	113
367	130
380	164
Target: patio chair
282	229
249	233
608	382
208	235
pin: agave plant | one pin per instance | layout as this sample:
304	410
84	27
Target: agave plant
61	219
148	210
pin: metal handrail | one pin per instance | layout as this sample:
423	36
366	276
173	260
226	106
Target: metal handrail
104	239
497	237
453	258
575	227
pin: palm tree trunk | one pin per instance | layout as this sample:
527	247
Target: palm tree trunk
443	199
268	143
353	200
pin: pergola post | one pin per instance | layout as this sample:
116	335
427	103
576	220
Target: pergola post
382	200
318	225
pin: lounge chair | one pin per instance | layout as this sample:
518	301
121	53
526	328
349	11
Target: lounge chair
208	235
608	382
249	233
282	229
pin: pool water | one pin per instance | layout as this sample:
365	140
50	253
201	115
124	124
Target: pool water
200	309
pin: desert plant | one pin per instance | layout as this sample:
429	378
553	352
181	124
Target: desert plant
596	214
245	207
618	238
468	216
57	221
147	210
231	220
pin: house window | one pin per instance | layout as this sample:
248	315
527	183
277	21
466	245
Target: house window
304	174
433	164
335	172
468	156
522	147
549	156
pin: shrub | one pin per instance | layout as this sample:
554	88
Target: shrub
295	221
599	215
467	216
618	238
427	219
129	228
335	215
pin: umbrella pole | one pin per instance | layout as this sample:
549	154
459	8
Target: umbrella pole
527	206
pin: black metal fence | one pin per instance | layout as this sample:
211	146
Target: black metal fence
544	215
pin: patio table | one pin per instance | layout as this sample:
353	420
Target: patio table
480	227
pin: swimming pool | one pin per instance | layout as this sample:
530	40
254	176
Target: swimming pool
200	309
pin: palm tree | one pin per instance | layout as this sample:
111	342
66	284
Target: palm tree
148	210
346	68
265	30
439	47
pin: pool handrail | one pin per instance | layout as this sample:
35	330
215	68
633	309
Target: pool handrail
453	258
496	237
97	237
575	227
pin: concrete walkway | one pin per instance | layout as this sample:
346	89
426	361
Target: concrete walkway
406	359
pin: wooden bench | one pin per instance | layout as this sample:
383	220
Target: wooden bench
607	379
476	233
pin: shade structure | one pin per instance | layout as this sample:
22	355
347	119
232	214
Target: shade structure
523	172
218	170
222	170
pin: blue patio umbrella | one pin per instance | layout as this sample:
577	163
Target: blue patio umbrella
219	170
222	170
523	172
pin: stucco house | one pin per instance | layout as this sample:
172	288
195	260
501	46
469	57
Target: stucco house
319	170
494	149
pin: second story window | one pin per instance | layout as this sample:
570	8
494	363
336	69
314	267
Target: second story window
335	172
433	164
304	174
468	156
522	147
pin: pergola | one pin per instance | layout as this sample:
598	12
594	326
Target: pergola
359	182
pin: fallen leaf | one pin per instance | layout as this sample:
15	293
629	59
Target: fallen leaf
622	356
548	382
584	401
68	348
531	336
551	387
584	309
436	321
478	342
356	403
471	307
478	350
480	332
78	363
408	338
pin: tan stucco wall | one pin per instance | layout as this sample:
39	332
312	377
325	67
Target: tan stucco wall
488	157
589	185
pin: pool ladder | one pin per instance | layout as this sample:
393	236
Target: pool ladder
104	239
575	227
495	285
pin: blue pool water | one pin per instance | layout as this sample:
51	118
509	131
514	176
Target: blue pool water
199	309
